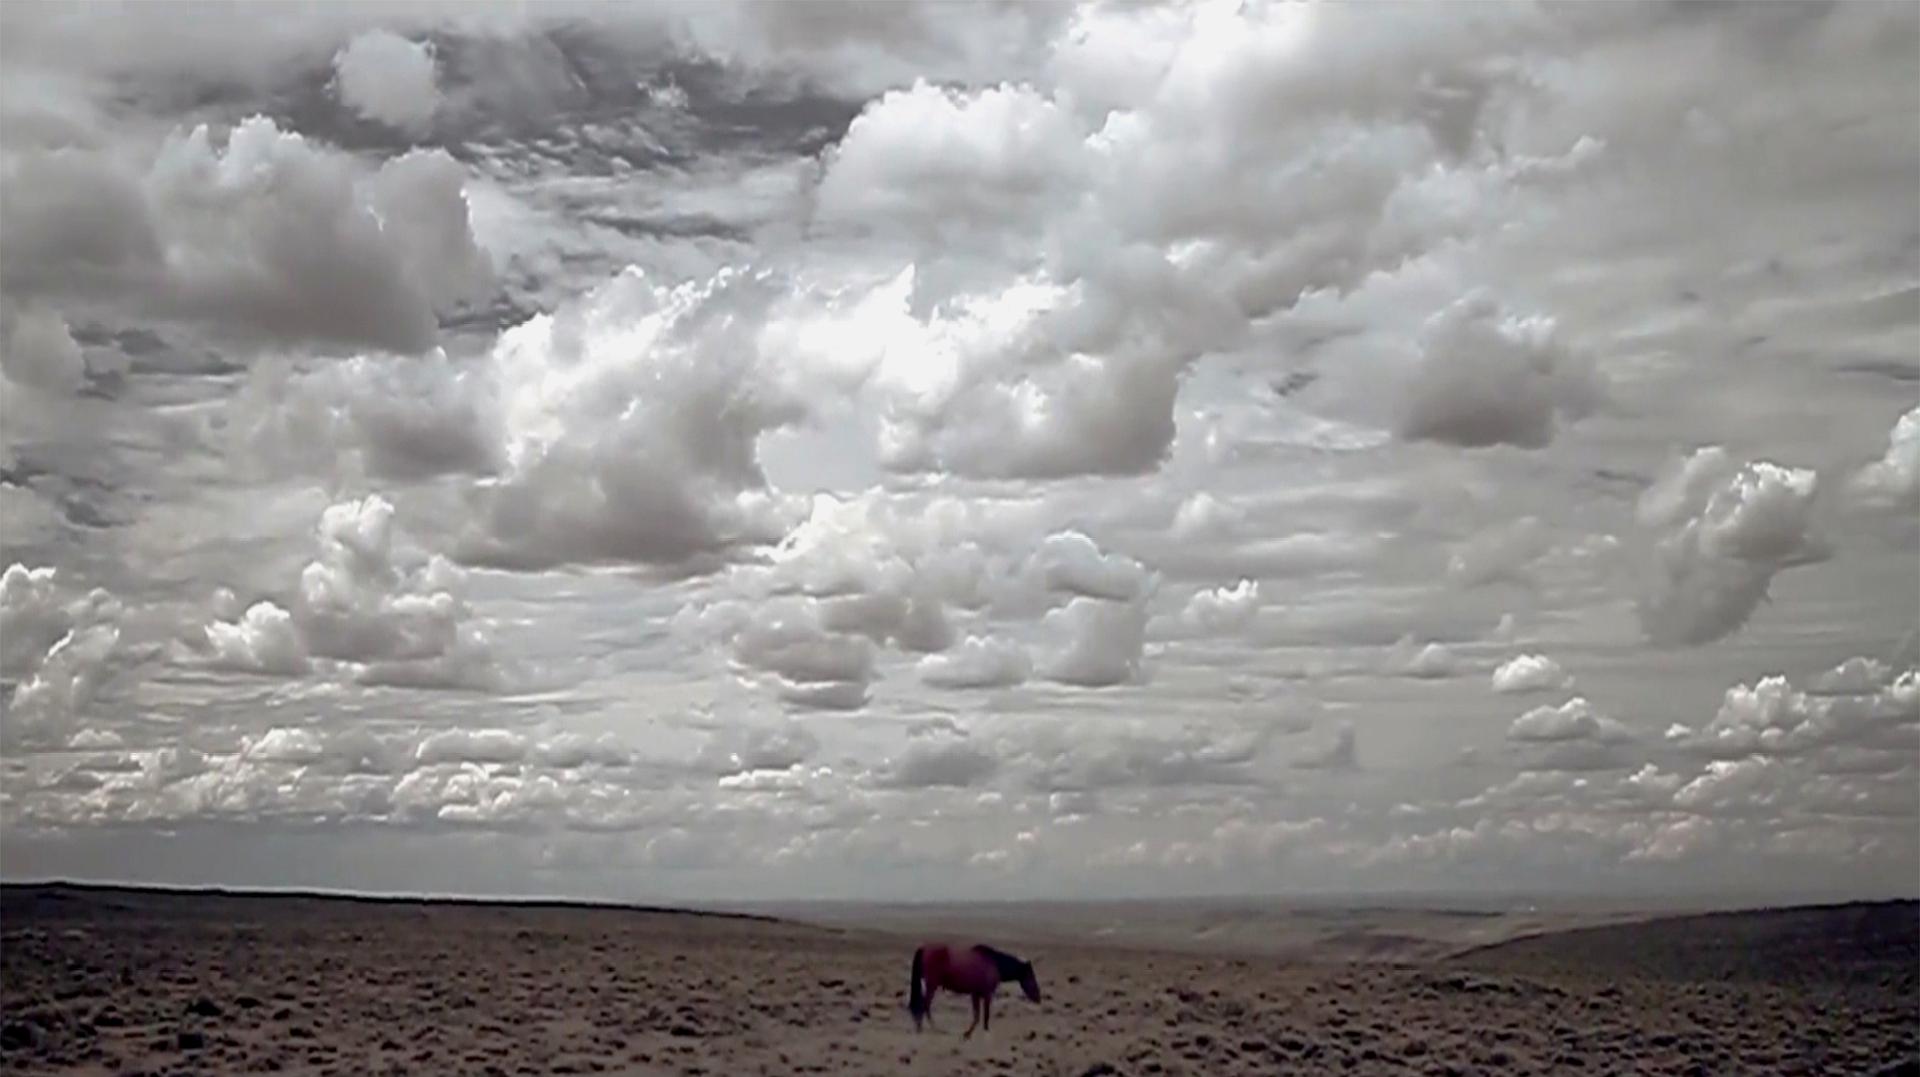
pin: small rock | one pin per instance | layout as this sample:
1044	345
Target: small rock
190	1040
203	1007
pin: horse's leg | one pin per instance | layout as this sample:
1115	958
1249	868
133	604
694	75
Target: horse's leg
976	1017
931	991
986	1013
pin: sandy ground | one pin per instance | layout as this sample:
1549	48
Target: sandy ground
108	981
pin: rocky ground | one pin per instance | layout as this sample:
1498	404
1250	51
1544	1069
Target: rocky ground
107	981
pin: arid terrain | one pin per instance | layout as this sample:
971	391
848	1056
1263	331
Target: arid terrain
126	981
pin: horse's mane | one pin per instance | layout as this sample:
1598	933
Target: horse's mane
1009	966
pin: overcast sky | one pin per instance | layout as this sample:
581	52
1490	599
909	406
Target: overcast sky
962	450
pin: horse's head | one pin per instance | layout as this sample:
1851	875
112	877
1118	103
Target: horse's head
1028	984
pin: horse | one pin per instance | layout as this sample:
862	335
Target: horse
978	970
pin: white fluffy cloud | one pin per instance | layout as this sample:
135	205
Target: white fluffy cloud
1100	643
389	79
1489	377
1576	719
810	664
977	663
1892	483
1530	673
629	432
377	608
267	237
1432	661
1772	717
1574	736
939	762
1222	609
1720	533
57	649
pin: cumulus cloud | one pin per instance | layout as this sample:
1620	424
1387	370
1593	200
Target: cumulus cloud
262	640
1572	737
58	649
1082	760
1073	563
1101	643
1431	662
631	432
1858	675
265	237
978	662
1576	719
1489	377
1720	532
388	79
1771	717
1892	483
1224	609
810	665
368	604
939	762
1526	673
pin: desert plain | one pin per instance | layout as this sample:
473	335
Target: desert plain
127	981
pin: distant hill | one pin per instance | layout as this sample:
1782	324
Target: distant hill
1868	944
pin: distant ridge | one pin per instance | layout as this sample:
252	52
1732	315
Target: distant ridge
1860	941
57	889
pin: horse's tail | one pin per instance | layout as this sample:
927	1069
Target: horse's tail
916	998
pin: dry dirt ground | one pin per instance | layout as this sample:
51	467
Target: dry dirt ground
119	981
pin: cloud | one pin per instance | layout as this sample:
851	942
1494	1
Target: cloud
811	665
1858	675
1501	553
1720	532
1892	483
1101	643
1431	662
472	746
928	763
977	662
1222	610
744	749
375	608
1089	757
388	79
38	351
1771	717
1526	673
631	432
263	640
1489	377
1338	754
1072	563
948	165
58	649
266	238
1576	719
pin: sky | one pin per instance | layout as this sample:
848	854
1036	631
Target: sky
950	451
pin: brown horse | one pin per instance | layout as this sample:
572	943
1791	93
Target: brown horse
977	970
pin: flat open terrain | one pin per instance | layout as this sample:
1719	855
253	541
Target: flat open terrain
128	981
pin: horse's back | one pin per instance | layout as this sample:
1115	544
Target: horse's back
958	968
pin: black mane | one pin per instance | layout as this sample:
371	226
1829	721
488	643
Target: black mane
1009	966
